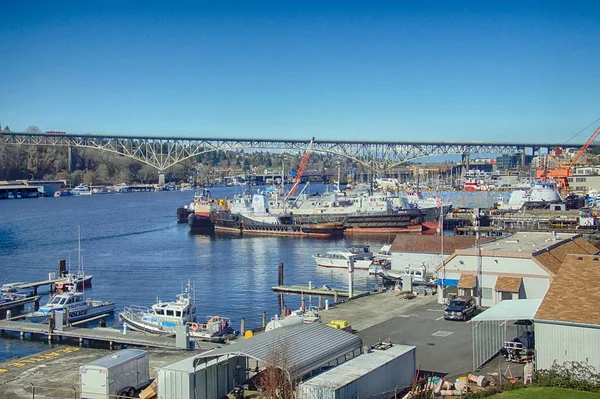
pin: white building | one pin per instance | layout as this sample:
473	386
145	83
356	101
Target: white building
410	250
567	323
521	266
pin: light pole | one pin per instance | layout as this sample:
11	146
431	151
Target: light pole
476	219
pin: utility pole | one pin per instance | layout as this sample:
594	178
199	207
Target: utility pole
476	220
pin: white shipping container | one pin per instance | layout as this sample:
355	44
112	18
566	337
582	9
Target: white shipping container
371	375
106	377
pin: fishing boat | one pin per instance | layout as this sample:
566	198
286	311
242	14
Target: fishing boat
74	305
363	257
200	211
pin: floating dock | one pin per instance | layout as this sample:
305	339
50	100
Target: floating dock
51	283
112	336
315	291
18	303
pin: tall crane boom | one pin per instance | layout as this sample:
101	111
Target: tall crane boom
592	138
301	169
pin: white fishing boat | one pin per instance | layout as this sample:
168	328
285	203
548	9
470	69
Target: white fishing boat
363	257
74	305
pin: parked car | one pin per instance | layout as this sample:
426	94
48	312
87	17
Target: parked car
460	308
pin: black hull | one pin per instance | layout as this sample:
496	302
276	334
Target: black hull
182	214
201	224
241	225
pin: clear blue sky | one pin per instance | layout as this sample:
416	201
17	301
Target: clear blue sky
428	70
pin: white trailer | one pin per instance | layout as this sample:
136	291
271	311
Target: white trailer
124	372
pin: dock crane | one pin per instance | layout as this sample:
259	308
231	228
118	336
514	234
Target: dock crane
301	169
561	173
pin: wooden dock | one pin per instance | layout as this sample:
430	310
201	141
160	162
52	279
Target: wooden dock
51	283
315	291
18	303
111	336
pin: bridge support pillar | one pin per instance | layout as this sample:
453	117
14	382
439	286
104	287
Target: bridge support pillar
466	161
161	179
70	158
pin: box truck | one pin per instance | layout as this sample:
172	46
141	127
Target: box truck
122	373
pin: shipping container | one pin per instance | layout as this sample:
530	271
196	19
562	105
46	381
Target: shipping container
375	374
126	370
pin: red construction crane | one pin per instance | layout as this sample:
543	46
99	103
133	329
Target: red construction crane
301	169
563	172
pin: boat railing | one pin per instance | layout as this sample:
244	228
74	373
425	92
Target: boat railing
135	311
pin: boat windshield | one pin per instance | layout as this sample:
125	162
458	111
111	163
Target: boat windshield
58	301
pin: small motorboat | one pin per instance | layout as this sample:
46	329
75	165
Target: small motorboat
215	329
363	257
74	305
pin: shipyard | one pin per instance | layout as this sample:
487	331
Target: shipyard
299	200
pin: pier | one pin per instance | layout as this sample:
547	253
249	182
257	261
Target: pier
18	303
315	291
112	336
51	283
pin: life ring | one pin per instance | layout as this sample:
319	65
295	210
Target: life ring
195	326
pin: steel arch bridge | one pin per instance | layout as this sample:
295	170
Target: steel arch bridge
162	152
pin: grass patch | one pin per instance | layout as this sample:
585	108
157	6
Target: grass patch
546	393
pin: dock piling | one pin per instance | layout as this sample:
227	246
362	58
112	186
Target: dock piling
264	319
335	297
242	326
8	314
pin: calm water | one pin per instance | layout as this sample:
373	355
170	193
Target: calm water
137	253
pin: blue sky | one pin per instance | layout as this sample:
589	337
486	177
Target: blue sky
391	71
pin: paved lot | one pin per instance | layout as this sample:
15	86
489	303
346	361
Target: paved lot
56	371
443	347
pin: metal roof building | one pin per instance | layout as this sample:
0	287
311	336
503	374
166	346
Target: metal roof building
299	350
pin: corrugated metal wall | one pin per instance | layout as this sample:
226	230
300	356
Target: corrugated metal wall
210	381
560	343
380	382
488	337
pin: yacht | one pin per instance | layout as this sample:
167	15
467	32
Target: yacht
363	257
539	195
81	190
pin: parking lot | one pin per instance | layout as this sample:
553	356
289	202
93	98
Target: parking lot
443	346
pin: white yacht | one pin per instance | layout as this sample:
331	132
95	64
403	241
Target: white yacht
539	194
363	257
81	190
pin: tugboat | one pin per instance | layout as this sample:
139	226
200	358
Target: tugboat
199	218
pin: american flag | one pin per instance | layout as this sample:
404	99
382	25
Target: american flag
438	201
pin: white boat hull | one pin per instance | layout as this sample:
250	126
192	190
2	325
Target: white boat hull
359	264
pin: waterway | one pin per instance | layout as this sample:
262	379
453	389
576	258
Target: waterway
137	253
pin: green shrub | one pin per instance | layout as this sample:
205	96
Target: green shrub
571	375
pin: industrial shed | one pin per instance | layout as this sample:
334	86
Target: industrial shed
375	374
567	324
299	350
490	329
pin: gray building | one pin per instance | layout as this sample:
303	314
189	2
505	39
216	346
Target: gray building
298	351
